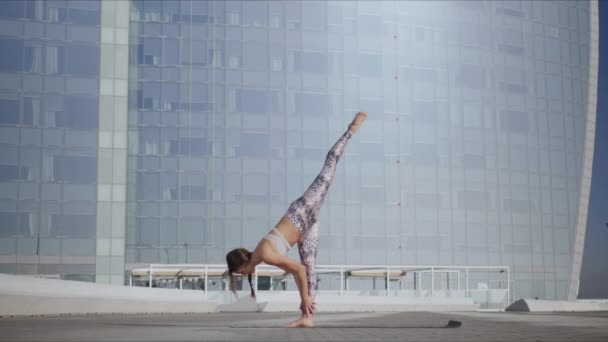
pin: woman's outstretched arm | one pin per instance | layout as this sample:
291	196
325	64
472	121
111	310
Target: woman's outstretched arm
299	274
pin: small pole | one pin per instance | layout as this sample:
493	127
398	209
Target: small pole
255	279
388	279
508	287
432	281
131	280
180	283
150	276
466	282
206	275
341	280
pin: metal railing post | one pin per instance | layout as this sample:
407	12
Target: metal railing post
466	283
206	277
432	281
130	280
388	279
341	280
255	279
508	287
150	276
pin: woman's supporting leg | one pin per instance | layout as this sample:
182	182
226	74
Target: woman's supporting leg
304	212
307	247
312	200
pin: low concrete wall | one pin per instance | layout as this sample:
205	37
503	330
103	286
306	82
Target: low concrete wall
21	295
333	302
35	296
537	305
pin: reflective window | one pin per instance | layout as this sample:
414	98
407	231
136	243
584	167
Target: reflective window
171	53
313	15
312	104
253	145
13	172
147	231
12	54
55	59
83	60
148	187
369	24
252	100
190	146
32	58
10	112
473	200
84	16
255	56
31	111
75	169
514	121
192	192
150	52
425	154
370	65
424	111
255	13
73	225
306	61
471	76
80	112
12	9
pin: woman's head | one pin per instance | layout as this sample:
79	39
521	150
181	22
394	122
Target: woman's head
237	260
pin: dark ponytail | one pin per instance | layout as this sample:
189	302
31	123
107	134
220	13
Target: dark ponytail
235	259
251	286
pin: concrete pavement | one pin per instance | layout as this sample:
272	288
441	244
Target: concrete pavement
405	326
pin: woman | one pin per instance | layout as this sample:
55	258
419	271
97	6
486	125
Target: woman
299	224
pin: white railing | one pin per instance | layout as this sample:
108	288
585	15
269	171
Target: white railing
345	272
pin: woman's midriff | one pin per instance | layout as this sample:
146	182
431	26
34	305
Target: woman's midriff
288	230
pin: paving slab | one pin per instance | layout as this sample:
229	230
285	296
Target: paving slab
366	326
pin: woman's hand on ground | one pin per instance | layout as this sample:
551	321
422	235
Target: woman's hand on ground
307	306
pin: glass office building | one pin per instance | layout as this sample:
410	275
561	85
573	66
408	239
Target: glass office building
477	150
63	109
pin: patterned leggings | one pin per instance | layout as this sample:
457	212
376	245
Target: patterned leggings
304	212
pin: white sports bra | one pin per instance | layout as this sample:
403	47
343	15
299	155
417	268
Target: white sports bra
278	240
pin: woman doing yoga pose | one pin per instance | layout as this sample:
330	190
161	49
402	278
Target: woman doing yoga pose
299	224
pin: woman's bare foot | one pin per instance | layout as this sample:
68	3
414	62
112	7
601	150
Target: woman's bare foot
303	322
357	121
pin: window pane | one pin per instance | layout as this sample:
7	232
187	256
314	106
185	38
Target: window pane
80	112
315	104
73	225
12	52
12	9
370	65
84	17
83	60
9	112
514	121
75	169
310	62
255	13
252	100
255	57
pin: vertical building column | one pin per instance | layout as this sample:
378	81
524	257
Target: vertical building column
587	164
112	144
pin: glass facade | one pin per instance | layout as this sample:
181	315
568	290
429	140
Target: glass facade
472	153
49	95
